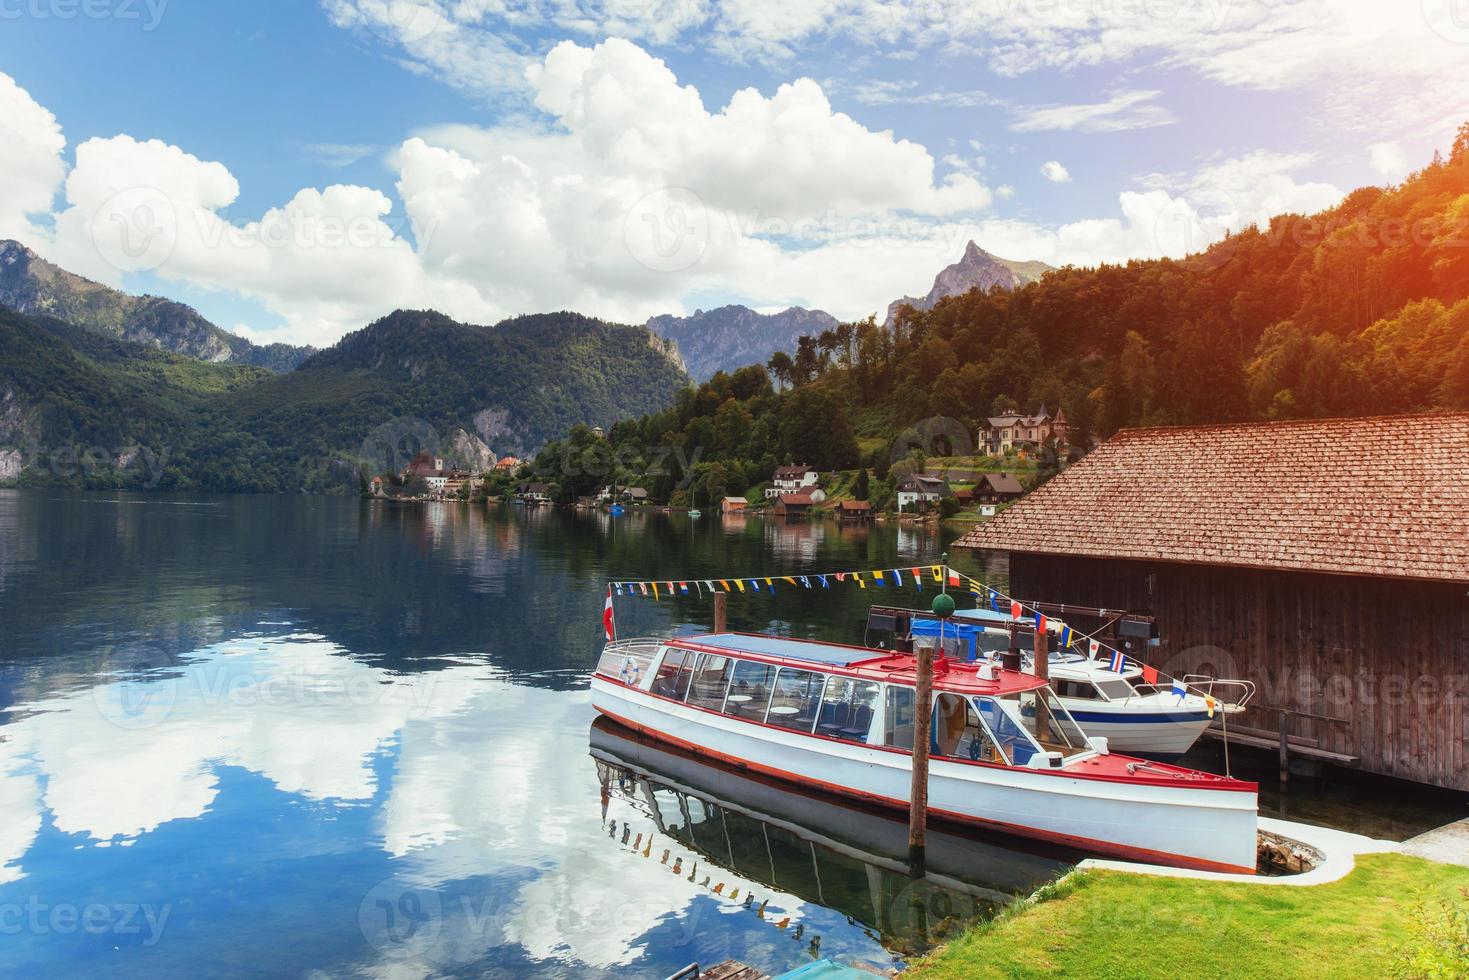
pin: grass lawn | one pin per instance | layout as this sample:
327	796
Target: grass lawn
1111	924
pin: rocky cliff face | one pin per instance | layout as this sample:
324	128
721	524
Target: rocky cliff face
733	336
31	285
977	269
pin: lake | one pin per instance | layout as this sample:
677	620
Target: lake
288	735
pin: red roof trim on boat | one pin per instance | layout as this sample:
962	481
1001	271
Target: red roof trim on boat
1114	761
1125	851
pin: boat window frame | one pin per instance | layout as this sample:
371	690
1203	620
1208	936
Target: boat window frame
1012	716
771	671
856	683
698	665
820	694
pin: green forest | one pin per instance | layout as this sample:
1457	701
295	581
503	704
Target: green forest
90	411
1359	310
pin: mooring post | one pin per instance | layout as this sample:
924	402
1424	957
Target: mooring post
721	611
943	608
1043	671
918	796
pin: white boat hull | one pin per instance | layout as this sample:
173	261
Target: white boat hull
1160	734
1180	824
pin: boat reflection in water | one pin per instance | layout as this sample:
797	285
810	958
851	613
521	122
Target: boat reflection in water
752	836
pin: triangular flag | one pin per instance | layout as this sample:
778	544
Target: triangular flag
1093	648
1016	609
683	587
841	576
805	581
740	584
725	583
824	583
789	579
655	591
897	578
755	584
644	587
861	581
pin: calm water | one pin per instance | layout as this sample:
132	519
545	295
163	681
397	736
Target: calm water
286	735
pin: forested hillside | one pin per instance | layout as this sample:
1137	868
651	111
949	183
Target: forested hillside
79	409
1363	309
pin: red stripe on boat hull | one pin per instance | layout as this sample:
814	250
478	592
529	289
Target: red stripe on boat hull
1124	851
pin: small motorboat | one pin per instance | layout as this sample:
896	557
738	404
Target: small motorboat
696	513
616	510
1109	697
1006	752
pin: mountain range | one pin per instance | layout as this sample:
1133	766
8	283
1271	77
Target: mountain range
29	284
79	407
976	269
730	337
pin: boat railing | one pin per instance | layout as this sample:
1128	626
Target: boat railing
629	659
1228	691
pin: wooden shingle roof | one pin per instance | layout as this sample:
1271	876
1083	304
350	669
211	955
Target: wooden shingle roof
1385	496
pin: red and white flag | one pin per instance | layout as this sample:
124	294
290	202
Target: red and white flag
607	622
1016	610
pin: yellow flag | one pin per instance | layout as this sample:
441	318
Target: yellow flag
861	581
655	591
938	574
740	584
768	582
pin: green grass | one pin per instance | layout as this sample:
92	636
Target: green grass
1112	924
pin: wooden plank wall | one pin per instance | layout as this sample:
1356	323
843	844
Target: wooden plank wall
1388	658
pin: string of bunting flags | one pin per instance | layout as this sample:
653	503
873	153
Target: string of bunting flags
941	576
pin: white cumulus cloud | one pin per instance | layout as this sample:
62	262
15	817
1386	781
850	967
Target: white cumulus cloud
1054	172
31	145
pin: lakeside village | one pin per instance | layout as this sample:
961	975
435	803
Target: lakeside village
1184	609
1015	453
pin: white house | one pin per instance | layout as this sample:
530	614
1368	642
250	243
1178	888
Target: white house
921	491
791	479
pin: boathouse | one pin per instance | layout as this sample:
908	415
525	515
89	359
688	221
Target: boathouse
1326	560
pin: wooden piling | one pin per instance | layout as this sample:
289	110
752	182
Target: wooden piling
721	612
918	796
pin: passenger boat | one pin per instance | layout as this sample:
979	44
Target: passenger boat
1006	753
1109	697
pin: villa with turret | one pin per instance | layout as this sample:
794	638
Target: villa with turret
1023	433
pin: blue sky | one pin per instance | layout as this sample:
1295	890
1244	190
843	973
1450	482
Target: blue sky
494	157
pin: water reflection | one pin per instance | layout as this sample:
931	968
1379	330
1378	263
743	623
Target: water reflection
744	839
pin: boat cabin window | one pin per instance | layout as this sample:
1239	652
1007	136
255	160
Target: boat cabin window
673	674
847	708
1082	690
1118	690
795	699
749	690
1014	742
1049	722
957	732
898	726
992	641
710	679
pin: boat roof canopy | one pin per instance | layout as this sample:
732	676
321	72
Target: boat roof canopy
811	651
